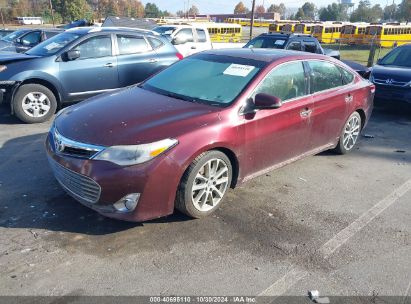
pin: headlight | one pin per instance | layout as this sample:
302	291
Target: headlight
137	154
3	68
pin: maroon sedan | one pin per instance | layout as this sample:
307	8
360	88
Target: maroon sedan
206	123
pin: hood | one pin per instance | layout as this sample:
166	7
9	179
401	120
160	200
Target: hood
6	46
132	116
7	57
398	74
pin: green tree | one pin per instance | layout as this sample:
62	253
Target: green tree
404	12
391	12
300	14
152	11
309	10
367	13
193	11
281	9
260	9
334	12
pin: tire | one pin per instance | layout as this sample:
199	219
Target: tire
352	127
34	103
210	199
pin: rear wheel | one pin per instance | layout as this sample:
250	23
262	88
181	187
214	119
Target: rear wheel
350	134
34	103
204	184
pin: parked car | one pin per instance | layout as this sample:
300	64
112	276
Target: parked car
392	75
301	42
188	39
77	64
5	32
209	122
22	40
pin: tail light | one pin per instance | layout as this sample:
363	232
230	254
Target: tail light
179	56
372	89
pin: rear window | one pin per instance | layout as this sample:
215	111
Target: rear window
155	43
201	35
267	43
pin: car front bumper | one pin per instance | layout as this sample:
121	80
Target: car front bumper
7	90
391	93
101	184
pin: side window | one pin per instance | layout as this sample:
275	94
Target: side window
98	46
310	47
324	76
186	34
295	46
155	43
32	38
201	35
131	45
347	77
256	43
285	82
50	34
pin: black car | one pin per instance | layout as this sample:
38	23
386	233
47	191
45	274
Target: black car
22	40
287	41
5	32
392	75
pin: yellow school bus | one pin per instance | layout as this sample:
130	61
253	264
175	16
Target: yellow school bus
304	28
224	32
282	26
327	32
387	35
353	33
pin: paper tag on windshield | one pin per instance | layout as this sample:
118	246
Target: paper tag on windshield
238	70
51	46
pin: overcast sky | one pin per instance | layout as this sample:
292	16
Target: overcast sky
227	6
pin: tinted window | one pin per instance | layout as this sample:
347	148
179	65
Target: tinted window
155	43
186	34
50	34
348	77
324	76
286	82
267	42
201	35
32	38
53	45
296	46
131	44
310	47
12	36
98	46
398	57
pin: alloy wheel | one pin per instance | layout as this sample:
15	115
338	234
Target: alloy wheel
351	132
36	104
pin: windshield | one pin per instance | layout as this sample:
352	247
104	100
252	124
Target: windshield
398	57
12	36
53	45
266	43
165	30
211	79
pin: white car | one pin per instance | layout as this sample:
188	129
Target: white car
187	39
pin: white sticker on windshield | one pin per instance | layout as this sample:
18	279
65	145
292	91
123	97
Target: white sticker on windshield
238	70
279	42
51	46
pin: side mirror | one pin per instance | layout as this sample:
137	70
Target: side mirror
25	42
379	61
72	55
18	40
263	101
178	40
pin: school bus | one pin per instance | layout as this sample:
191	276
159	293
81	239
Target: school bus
304	28
282	26
224	32
387	35
353	33
327	32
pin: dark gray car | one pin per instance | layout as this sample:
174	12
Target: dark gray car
77	64
22	40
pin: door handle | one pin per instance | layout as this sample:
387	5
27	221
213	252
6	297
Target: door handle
349	98
109	65
193	47
153	60
306	112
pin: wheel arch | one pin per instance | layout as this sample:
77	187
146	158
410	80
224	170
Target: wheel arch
362	115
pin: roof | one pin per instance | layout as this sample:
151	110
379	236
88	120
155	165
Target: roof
286	35
141	23
90	29
266	55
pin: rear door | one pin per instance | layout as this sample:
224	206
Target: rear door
94	72
203	42
136	59
189	47
332	97
274	137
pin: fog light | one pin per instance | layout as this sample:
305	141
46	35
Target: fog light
127	203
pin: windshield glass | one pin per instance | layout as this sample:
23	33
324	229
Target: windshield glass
165	30
398	57
211	79
53	45
266	43
12	36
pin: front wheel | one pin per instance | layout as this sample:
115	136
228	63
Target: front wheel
350	134
204	184
34	103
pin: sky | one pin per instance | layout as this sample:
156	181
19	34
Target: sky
227	6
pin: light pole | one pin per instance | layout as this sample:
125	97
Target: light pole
52	13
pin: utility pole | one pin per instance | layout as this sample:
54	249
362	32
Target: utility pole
252	20
52	13
2	18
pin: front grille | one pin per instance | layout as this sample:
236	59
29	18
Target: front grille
391	82
78	152
81	187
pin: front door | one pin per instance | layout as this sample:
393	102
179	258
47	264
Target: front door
273	137
94	72
189	47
